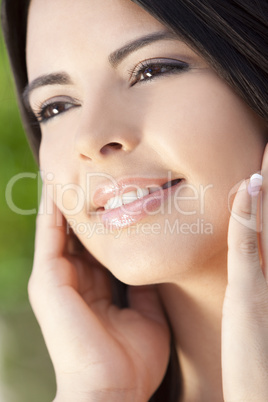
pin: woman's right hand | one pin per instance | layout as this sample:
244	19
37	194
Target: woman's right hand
99	352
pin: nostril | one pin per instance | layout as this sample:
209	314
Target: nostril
115	145
107	147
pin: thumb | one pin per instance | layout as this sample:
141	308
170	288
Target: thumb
244	325
244	260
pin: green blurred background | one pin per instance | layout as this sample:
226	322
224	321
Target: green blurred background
26	373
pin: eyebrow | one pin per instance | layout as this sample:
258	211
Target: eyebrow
115	58
119	55
60	78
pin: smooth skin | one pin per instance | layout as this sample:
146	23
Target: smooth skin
99	351
191	124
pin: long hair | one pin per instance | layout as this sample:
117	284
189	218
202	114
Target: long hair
232	35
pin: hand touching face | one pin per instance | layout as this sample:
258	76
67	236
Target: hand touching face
156	112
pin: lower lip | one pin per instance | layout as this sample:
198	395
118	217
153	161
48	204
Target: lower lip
132	213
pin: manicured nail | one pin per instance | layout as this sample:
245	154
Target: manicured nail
255	184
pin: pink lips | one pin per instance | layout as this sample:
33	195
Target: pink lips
133	212
105	192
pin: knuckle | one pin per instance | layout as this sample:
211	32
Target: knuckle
252	312
246	212
248	247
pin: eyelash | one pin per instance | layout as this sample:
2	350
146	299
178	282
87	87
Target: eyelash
172	66
41	110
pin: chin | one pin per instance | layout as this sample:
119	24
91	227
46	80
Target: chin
145	265
141	259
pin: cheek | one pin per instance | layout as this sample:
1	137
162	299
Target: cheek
162	254
204	132
167	245
59	174
212	138
211	135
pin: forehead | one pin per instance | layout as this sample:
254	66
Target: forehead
62	29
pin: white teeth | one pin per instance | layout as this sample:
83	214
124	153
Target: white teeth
129	197
142	192
114	203
126	198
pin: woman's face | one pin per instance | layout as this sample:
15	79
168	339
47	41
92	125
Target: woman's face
147	115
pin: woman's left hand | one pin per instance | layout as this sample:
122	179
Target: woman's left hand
245	309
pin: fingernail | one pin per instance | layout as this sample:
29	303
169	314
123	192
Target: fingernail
255	184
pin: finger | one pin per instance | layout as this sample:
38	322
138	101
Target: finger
244	267
60	289
50	237
74	247
264	234
94	283
48	273
146	300
57	263
50	245
244	325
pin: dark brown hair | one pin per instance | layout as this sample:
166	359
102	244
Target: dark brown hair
232	35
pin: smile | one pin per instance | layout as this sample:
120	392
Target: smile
134	195
131	207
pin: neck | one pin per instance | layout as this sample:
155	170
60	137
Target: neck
194	306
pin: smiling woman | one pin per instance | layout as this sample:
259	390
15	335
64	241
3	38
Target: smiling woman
145	118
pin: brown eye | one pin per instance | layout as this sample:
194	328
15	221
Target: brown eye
54	109
155	70
149	70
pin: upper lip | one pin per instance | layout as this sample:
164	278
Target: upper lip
106	191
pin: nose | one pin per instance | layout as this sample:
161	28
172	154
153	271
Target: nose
105	132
